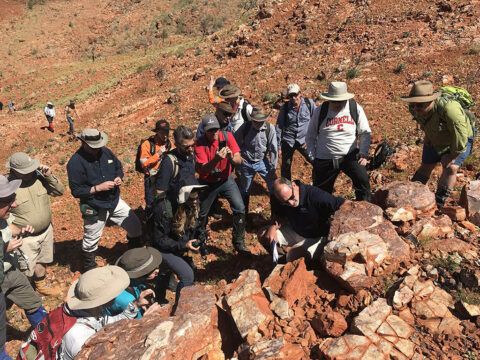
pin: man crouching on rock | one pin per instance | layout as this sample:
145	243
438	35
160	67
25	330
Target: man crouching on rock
308	210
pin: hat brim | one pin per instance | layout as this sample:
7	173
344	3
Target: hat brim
96	144
157	130
120	282
343	97
185	192
260	118
155	263
34	165
235	94
421	99
10	188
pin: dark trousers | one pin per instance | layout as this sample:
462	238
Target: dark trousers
287	157
325	174
149	198
3	321
180	267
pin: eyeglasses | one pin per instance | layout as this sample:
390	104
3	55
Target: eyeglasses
421	105
188	146
226	114
291	96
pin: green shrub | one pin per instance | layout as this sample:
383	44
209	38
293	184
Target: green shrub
352	73
400	68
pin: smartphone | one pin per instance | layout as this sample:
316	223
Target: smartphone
222	144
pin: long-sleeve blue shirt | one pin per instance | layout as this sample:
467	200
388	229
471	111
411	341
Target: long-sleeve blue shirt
85	171
293	127
254	144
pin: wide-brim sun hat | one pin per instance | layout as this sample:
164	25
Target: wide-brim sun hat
337	91
258	114
93	138
229	92
421	92
22	163
8	188
185	191
97	287
140	262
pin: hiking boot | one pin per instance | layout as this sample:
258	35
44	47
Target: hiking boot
46	290
441	195
134	243
88	260
172	283
238	234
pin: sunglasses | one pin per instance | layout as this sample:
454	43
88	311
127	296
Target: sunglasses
291	96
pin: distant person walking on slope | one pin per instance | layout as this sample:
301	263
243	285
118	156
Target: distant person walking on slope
11	107
219	84
49	112
69	112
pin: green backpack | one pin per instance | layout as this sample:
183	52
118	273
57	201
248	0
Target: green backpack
458	94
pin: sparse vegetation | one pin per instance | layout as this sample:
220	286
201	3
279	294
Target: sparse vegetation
426	74
271	98
400	67
142	68
352	73
451	263
474	49
469	296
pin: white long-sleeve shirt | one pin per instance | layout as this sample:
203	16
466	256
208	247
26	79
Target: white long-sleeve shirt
49	112
87	326
337	135
237	119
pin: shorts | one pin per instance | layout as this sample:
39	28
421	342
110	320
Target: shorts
309	248
38	249
430	155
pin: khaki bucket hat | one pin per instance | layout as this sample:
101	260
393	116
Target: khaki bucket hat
337	91
258	114
422	92
93	138
22	163
8	188
97	287
140	261
230	91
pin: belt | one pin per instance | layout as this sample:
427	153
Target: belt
41	232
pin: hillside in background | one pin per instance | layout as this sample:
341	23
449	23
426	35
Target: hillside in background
130	63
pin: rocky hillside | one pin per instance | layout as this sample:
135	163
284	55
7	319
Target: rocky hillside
129	63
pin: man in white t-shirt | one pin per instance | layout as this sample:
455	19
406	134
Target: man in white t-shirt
332	140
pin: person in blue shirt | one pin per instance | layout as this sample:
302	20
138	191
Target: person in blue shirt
291	129
95	175
141	265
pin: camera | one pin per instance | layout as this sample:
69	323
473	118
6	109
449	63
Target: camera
222	144
201	238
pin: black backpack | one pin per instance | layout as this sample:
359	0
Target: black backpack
151	140
324	111
382	151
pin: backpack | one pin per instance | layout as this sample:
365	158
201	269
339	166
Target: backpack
458	94
382	151
45	339
151	140
324	111
153	177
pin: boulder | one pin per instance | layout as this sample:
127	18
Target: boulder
454	212
404	194
358	216
247	303
470	200
433	228
271	349
329	323
291	281
190	334
471	309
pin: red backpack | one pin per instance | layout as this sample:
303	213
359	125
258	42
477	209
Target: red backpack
47	336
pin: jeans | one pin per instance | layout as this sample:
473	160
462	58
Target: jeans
324	175
287	157
228	189
248	171
70	121
430	155
181	268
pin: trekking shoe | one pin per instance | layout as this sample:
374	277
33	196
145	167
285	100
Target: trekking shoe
242	249
43	289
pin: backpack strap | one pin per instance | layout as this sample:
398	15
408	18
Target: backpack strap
152	145
174	161
308	102
243	112
352	104
323	114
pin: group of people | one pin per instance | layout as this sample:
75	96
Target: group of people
183	179
70	113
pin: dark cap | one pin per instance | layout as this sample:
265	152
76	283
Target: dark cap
209	122
221	82
161	125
